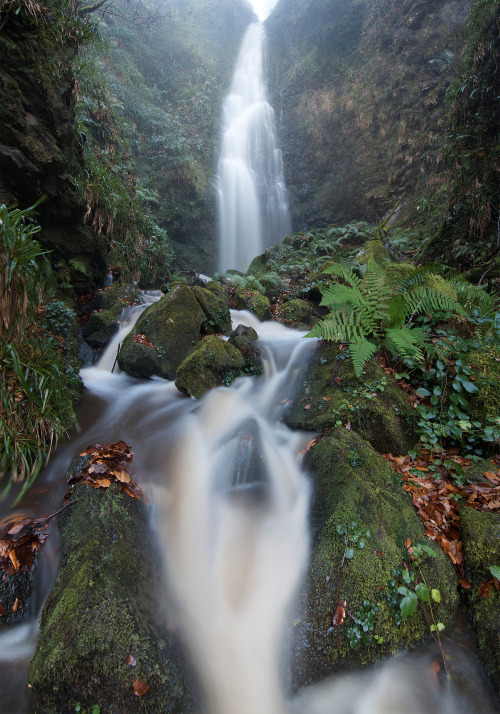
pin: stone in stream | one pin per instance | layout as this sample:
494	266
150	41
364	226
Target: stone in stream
101	638
356	496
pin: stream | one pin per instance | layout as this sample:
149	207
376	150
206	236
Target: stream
230	505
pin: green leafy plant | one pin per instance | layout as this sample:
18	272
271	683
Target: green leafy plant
370	313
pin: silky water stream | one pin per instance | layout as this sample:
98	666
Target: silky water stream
230	505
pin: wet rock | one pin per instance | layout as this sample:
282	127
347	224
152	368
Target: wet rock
102	611
373	404
481	542
16	601
255	302
295	313
213	362
218	318
356	490
171	326
243	338
108	305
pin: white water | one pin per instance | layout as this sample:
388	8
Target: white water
252	197
127	320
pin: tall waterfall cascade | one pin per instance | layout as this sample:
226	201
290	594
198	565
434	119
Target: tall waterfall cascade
252	196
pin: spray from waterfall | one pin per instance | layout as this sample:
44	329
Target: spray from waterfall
252	197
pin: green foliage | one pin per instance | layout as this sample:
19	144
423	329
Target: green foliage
373	312
407	589
37	363
447	384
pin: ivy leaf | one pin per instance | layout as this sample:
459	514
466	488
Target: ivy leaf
470	387
422	592
423	392
408	605
349	553
495	571
436	595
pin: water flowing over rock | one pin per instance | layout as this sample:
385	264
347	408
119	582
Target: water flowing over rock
253	205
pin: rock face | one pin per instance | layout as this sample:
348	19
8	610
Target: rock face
38	154
101	610
341	161
330	394
356	496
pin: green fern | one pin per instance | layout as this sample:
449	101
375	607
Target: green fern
374	312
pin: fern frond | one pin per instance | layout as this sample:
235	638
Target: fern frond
421	274
340	326
343	272
376	290
340	295
406	342
473	297
361	351
422	300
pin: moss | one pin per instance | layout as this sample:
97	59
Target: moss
212	363
173	326
373	404
101	609
438	283
485	365
295	313
218	290
481	542
354	484
218	318
374	249
109	303
254	301
243	338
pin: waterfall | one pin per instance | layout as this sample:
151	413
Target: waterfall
252	197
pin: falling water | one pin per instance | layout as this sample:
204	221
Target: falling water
253	205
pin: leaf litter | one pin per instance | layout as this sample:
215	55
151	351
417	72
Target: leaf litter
106	465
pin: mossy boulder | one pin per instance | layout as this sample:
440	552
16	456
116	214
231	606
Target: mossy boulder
356	490
481	543
213	362
101	609
218	318
485	365
244	338
295	313
218	290
255	302
108	305
172	326
374	249
373	404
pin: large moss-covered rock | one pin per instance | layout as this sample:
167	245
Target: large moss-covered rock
101	609
356	490
374	249
481	539
255	302
213	362
218	318
172	326
486	368
330	393
295	313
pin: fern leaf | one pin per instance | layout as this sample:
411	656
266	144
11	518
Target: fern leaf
361	351
341	326
406	342
339	295
473	297
343	272
421	300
